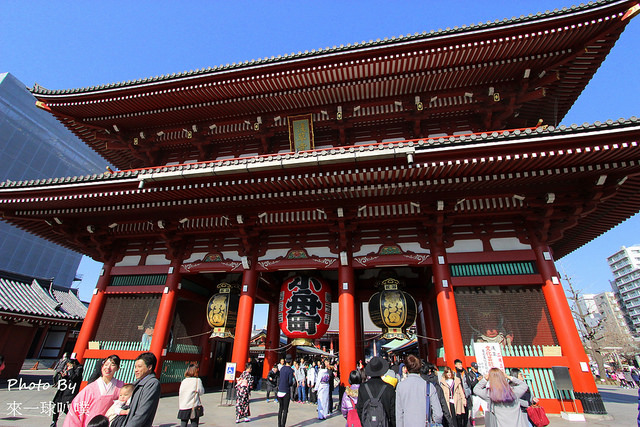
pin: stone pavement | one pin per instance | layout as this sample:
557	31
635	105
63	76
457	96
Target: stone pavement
28	407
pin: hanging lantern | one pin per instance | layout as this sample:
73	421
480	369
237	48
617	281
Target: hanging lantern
392	310
304	311
222	310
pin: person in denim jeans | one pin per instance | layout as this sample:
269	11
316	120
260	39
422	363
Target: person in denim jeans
301	381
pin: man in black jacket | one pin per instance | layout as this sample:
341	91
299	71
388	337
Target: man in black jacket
372	388
428	373
284	391
473	378
146	392
272	381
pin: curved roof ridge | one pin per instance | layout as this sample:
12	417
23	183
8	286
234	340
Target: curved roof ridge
40	90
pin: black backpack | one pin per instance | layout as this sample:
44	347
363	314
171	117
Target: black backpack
373	414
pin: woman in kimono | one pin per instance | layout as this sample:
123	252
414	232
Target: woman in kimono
97	397
325	377
243	389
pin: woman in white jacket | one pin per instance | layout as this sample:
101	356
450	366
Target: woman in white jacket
191	389
503	396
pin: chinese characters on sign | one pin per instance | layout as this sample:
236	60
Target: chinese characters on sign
304	310
488	355
301	132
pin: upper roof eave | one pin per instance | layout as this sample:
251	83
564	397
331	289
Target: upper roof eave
221	70
423	145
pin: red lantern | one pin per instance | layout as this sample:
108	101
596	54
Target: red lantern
304	311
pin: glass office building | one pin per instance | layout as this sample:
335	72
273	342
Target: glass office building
33	145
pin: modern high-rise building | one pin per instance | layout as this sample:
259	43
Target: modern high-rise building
34	145
625	265
602	311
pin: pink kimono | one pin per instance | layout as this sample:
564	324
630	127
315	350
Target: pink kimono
89	403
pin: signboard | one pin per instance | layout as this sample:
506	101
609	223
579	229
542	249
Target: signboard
488	355
301	132
230	372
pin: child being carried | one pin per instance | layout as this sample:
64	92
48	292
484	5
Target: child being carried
120	408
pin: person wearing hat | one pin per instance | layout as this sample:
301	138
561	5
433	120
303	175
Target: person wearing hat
375	386
390	378
284	391
473	377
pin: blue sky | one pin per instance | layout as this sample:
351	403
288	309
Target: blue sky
71	44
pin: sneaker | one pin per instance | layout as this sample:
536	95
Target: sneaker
246	420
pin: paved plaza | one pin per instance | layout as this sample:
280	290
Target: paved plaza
26	404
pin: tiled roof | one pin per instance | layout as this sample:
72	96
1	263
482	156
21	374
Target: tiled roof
70	302
30	298
421	144
37	89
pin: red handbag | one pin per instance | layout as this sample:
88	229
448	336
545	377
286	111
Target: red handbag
537	415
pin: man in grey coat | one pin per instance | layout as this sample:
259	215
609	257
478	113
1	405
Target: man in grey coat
411	398
146	393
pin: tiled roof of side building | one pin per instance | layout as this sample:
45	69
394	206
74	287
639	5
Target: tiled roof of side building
419	144
30	298
70	302
37	89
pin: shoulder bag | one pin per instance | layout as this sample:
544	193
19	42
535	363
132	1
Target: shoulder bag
198	410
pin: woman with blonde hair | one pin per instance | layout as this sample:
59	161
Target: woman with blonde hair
503	394
454	392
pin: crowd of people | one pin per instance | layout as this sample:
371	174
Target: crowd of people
626	378
402	393
383	392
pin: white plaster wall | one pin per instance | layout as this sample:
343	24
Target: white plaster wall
321	252
195	257
508	244
233	256
273	254
367	249
128	261
468	245
413	247
157	260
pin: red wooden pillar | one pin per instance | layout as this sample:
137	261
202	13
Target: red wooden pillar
272	340
360	342
562	320
429	318
94	312
43	336
164	320
347	324
449	323
421	326
205	357
244	324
